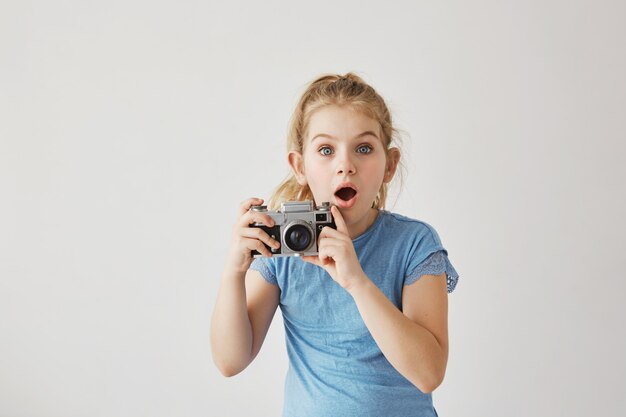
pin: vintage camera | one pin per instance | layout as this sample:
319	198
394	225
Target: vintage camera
297	226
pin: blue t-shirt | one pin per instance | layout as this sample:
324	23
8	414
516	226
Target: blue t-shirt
335	366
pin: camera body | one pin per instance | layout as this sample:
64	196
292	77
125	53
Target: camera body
297	226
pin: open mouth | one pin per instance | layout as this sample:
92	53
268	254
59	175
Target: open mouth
345	193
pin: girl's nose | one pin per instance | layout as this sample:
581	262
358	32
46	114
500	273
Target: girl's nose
345	165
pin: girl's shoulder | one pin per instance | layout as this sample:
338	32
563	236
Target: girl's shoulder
423	247
400	232
402	224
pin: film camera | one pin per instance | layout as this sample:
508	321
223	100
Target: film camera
297	226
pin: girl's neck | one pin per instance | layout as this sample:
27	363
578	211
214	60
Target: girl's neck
357	229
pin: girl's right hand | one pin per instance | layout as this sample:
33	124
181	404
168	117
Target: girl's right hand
245	239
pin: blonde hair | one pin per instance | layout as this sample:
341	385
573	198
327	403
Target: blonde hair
333	89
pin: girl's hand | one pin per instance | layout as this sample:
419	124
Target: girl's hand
246	238
336	254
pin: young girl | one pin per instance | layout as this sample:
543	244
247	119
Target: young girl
365	320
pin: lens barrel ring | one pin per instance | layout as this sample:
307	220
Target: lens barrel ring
298	235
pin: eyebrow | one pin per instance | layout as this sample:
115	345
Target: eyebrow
324	135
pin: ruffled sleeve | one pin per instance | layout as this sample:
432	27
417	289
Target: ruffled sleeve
436	263
266	267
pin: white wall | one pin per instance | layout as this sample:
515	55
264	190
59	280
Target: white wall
131	130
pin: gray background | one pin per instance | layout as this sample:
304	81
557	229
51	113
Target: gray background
131	130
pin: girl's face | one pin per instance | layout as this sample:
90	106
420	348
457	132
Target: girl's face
344	162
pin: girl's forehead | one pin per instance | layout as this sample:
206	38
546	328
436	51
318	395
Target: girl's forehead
339	121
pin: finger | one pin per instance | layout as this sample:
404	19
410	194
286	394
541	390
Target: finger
327	249
315	260
330	233
245	205
259	234
255	244
258	217
330	250
339	221
324	259
312	260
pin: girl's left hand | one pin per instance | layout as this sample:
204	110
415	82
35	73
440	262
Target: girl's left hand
336	253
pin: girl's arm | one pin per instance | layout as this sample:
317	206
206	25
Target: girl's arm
241	318
246	303
414	341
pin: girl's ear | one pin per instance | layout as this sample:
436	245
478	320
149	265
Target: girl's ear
295	161
393	158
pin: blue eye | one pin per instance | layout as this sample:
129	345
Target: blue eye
325	150
364	149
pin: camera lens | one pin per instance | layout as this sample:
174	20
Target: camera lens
298	238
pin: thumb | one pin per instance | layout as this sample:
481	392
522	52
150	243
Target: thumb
312	260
